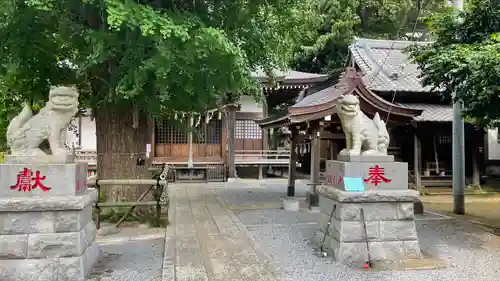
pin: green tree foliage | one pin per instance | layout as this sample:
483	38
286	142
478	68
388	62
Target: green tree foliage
179	54
339	21
133	59
465	59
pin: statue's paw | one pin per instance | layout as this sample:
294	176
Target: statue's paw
344	152
61	153
353	152
370	152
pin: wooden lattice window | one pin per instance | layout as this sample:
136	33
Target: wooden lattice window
214	132
210	133
170	133
444	139
247	129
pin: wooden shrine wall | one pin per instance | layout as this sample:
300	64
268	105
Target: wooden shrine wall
247	135
172	143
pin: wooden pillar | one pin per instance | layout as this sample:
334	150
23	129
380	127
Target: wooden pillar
265	131
292	167
314	149
265	138
80	131
190	141
153	138
231	122
315	155
417	157
315	165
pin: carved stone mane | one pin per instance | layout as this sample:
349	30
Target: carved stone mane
27	132
364	136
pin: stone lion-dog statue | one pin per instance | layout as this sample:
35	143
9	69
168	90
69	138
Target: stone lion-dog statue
26	131
364	136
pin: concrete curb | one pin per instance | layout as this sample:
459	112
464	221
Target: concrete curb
122	239
168	266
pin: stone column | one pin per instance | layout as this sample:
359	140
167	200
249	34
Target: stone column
47	231
231	122
292	167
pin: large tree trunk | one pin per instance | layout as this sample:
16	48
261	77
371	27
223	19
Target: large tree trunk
119	145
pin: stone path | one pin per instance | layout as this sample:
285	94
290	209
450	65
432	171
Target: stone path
236	231
207	242
133	258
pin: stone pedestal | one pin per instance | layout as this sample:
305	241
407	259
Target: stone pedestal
390	224
378	172
46	227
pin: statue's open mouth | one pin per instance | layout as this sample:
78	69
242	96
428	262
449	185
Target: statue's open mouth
349	109
63	103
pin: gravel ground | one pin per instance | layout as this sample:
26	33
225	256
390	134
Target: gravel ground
474	253
130	261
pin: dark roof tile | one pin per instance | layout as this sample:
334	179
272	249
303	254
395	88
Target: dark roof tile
385	66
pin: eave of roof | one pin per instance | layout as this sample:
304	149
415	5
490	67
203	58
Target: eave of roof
290	77
323	102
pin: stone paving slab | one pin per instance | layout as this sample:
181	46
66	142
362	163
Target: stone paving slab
205	241
130	261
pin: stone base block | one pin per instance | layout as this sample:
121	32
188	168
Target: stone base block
47	238
366	158
375	175
390	225
291	204
47	180
50	269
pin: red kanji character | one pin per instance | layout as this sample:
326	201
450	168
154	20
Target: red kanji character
376	176
340	180
38	182
23	181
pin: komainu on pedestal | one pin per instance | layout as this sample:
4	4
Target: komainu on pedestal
376	216
46	227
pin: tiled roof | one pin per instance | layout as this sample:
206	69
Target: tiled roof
431	112
397	72
291	76
323	96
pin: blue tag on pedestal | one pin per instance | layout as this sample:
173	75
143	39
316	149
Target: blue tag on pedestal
354	184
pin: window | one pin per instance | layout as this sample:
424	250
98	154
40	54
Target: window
247	129
444	139
170	133
210	133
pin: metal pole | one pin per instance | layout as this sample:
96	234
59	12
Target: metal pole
458	145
